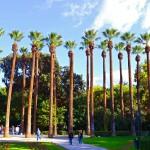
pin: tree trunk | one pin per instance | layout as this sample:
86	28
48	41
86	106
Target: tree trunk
52	59
70	54
91	90
88	93
104	90
138	94
128	49
14	48
110	46
120	56
55	106
23	94
36	91
147	50
28	131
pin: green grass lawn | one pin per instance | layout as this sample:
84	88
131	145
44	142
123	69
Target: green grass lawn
112	143
29	146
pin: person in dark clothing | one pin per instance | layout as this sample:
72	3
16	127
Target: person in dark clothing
70	136
80	137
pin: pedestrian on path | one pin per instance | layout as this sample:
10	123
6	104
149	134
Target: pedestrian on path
38	134
80	137
70	136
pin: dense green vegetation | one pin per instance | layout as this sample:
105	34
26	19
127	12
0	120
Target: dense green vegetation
112	143
62	78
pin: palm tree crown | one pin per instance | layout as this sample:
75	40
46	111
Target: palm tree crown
70	45
128	37
84	44
90	36
1	31
23	50
103	45
111	33
137	49
54	39
16	35
120	46
143	39
37	39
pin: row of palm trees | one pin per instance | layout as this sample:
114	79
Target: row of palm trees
89	44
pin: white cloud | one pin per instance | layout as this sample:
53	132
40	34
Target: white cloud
81	10
120	14
116	78
146	20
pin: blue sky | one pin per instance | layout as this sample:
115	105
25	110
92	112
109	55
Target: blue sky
71	18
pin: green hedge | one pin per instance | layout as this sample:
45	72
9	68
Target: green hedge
108	133
145	143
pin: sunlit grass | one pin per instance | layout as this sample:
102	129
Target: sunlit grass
112	143
29	146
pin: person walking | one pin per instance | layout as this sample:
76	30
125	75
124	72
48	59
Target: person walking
38	133
80	137
70	136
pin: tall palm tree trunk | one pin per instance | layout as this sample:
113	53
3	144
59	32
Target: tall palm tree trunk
110	46
14	48
104	89
28	130
36	91
23	94
55	106
128	49
147	50
91	90
70	54
120	57
52	58
138	93
88	92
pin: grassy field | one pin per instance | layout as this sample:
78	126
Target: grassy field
29	146
112	143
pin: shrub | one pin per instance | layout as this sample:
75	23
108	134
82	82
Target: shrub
145	143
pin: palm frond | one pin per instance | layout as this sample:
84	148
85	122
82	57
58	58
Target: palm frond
120	46
54	39
70	45
128	37
137	49
103	45
23	50
16	35
111	33
1	31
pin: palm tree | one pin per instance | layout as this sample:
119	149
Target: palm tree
128	38
53	40
16	36
36	38
37	55
110	34
137	50
70	45
91	36
120	47
103	46
23	50
145	39
85	45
